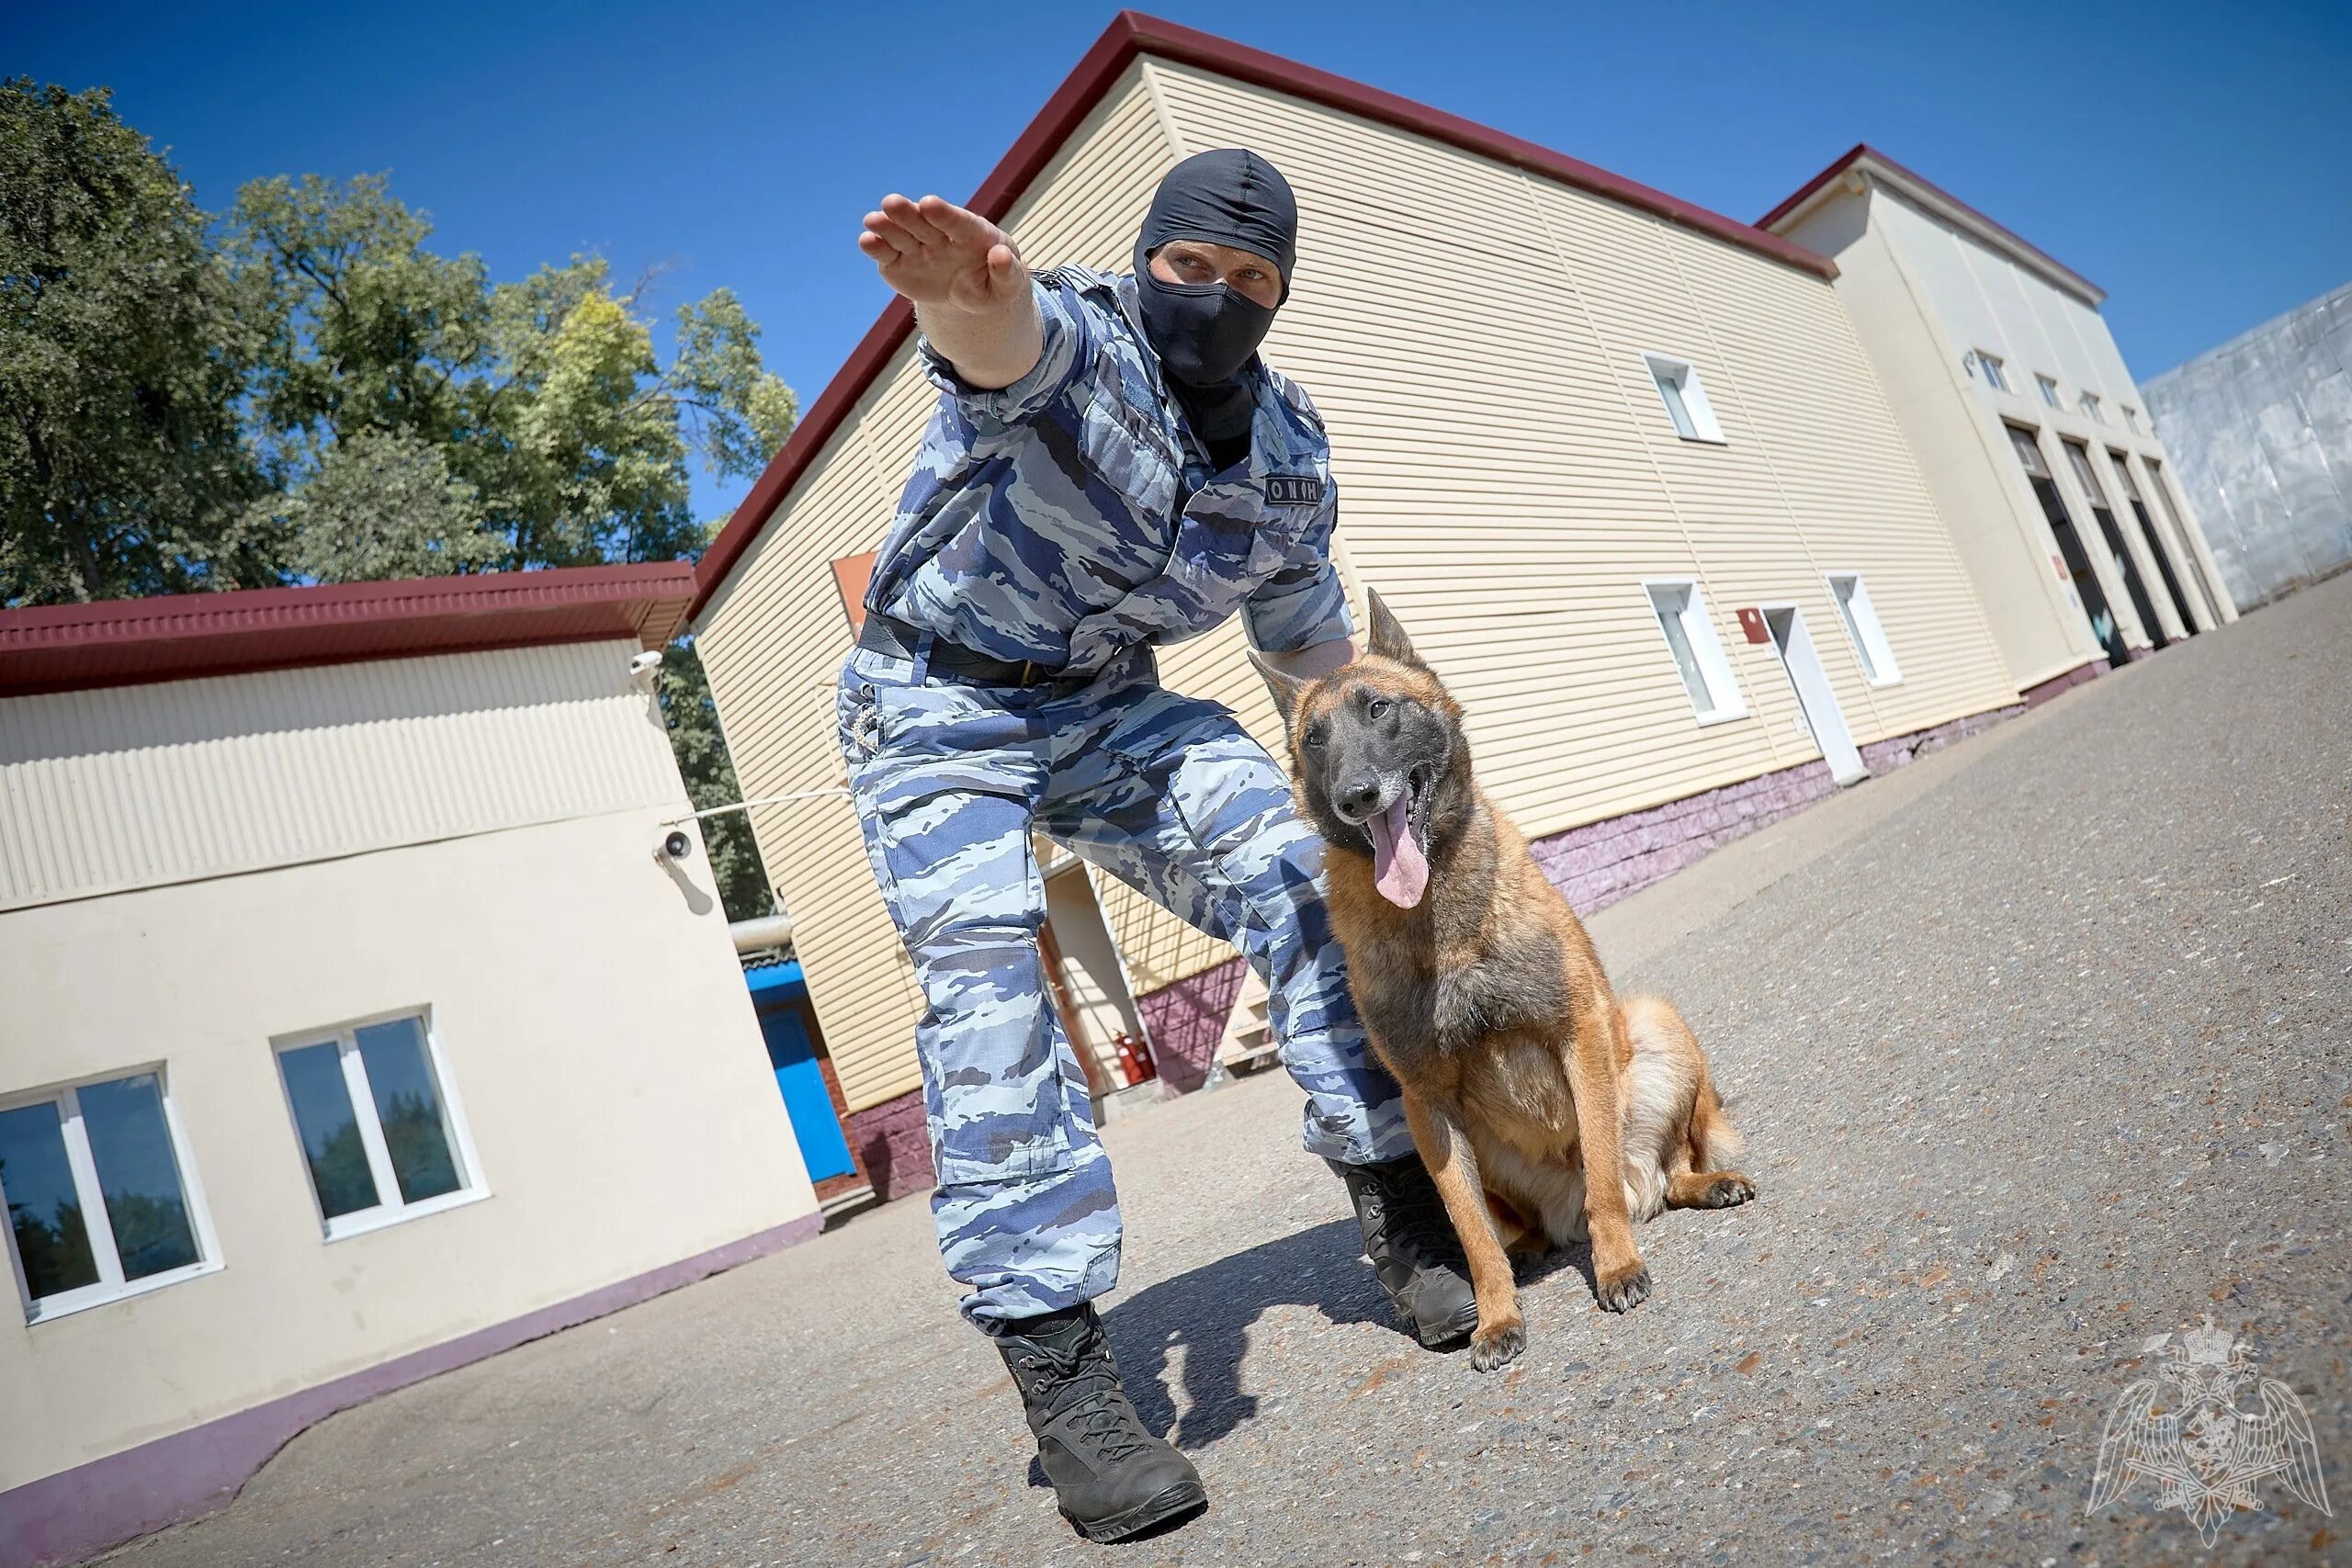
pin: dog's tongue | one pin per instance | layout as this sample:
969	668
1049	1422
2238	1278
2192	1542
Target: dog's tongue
1399	868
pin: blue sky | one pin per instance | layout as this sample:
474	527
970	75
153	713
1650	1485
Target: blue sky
2188	158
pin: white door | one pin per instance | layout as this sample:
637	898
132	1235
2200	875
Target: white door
1822	715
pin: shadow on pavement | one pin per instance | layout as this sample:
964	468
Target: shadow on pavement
1209	1312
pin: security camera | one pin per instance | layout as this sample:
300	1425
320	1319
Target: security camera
676	845
641	669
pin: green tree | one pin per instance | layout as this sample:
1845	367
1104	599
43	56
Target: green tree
565	440
125	345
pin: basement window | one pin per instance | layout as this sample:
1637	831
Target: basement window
1862	626
1685	398
380	1131
2049	390
102	1203
1681	615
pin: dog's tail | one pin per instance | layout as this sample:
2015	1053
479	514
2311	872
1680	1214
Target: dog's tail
1668	1064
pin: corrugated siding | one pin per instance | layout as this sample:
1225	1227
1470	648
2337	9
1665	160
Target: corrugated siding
135	787
1508	477
773	638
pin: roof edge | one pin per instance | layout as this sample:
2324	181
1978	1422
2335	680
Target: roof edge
1917	187
183	636
1130	35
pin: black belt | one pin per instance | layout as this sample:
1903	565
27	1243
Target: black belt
896	639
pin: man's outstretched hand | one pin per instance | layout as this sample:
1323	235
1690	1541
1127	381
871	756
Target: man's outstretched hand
969	286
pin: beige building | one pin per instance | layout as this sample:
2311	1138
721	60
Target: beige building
355	1022
1631	482
2033	438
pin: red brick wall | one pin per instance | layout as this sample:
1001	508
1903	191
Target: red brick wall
892	1143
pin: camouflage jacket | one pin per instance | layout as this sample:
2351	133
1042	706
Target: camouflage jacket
1073	514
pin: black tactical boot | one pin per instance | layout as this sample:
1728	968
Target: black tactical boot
1113	1476
1411	1242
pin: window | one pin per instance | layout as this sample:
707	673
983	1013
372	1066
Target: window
1862	625
2049	390
1988	366
1685	398
102	1203
2131	417
2090	407
1698	657
380	1131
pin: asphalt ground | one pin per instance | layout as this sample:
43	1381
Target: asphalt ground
2040	1047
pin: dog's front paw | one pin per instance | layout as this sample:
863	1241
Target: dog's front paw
1623	1289
1729	1189
1498	1346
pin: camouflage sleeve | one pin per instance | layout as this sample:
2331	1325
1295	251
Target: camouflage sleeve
1069	349
1302	603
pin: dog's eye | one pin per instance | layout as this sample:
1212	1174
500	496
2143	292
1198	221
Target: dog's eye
1377	707
1314	738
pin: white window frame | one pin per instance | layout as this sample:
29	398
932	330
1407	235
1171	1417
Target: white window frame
1987	366
345	1036
1684	375
1859	617
2131	418
2090	406
2048	386
110	1286
1698	631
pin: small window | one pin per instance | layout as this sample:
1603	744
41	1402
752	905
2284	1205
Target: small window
102	1203
2090	407
1685	398
1682	616
1862	626
2049	390
381	1130
1987	367
2131	417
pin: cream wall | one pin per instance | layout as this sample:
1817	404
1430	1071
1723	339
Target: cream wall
599	1039
1508	479
1923	292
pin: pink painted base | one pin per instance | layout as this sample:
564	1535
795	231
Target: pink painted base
78	1513
893	1145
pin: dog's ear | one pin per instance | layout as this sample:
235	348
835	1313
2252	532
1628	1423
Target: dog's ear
1389	639
1285	686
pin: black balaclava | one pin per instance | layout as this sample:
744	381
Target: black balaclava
1205	334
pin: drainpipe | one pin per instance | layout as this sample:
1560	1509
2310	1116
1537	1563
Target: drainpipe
768	931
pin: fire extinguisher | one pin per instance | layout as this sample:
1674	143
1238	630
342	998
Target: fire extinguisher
1134	1059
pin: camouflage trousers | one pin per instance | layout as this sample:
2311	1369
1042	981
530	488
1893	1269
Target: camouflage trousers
1170	794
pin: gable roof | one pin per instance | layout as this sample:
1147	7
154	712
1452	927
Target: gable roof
1130	35
1925	193
175	637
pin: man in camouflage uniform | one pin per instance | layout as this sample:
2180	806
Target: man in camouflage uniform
1110	467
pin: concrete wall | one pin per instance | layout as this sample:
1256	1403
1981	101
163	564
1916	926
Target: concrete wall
2261	435
585	999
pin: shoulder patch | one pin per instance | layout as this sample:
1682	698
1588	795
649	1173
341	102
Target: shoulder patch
1294	489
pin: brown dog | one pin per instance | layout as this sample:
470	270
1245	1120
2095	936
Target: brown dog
1482	993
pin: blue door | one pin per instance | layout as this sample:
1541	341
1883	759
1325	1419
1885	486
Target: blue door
779	993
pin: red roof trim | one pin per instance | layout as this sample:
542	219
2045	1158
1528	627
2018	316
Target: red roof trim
1132	34
1862	150
179	636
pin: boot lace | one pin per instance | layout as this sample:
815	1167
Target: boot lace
1087	1388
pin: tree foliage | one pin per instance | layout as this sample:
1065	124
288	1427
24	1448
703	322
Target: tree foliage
306	392
125	347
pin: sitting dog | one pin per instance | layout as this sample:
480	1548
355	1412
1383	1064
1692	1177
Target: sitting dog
1521	1071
